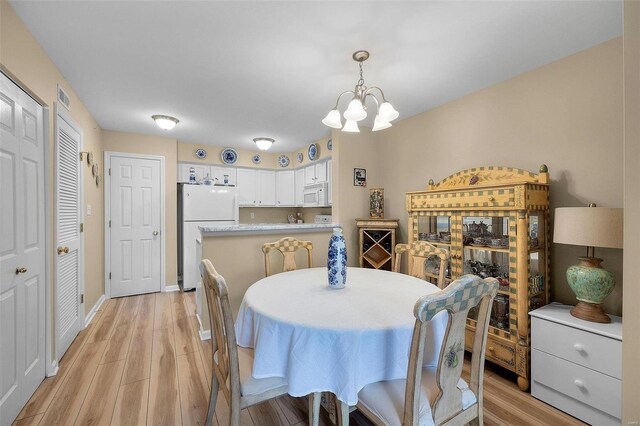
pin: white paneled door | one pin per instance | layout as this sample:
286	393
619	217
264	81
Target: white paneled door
69	308
22	249
135	215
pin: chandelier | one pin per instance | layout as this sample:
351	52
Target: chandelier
357	111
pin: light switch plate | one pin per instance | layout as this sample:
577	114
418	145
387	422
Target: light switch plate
88	209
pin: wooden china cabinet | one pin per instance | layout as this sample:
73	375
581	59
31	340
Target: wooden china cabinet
495	223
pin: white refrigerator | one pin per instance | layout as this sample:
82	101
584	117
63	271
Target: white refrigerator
200	205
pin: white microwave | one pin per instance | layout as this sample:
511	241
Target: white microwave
315	195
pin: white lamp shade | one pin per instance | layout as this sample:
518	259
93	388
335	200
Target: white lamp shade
263	144
355	111
333	119
387	112
378	124
351	127
165	122
588	226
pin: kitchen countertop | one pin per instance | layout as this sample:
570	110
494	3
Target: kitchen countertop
265	228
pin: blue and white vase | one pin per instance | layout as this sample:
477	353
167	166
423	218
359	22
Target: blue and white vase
337	260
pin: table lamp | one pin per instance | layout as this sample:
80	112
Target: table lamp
591	227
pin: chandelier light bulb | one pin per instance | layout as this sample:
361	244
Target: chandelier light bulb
355	111
263	144
387	112
165	122
351	126
333	119
379	124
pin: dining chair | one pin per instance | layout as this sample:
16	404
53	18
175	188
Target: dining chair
418	253
437	395
288	247
232	364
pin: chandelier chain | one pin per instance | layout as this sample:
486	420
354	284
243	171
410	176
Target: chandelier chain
361	81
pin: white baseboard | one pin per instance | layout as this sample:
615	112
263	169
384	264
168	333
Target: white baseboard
92	312
169	288
204	334
53	369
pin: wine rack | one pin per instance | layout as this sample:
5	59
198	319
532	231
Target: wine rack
377	238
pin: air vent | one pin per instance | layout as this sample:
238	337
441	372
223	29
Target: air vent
63	98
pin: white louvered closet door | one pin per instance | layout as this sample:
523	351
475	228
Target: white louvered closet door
69	309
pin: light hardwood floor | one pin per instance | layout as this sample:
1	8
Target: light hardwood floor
140	361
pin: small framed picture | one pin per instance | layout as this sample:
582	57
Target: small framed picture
359	177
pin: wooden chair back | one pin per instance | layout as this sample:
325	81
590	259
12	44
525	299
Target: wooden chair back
288	247
418	253
456	299
223	337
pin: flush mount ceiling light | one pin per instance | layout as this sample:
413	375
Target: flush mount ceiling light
263	144
165	122
357	111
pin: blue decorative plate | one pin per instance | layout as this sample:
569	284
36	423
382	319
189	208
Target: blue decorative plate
256	159
283	161
330	144
201	153
312	152
300	157
229	156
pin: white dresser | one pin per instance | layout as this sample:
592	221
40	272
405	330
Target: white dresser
576	365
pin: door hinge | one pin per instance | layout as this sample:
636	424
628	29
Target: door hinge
82	227
82	298
109	275
109	224
109	171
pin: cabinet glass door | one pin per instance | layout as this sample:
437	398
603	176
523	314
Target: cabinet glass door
485	253
537	255
435	230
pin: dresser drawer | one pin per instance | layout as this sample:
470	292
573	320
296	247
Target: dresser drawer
498	351
495	198
591	396
591	350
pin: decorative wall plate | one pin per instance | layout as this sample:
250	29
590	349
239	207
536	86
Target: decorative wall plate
300	157
256	159
98	179
229	156
95	170
201	153
312	152
89	158
283	161
330	144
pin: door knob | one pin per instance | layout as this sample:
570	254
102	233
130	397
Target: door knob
66	249
155	233
21	270
61	250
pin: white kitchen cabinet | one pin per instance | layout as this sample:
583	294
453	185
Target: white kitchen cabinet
330	181
266	188
246	183
218	173
285	188
201	171
299	184
321	172
310	175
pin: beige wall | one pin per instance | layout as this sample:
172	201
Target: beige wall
567	114
167	147
631	323
23	57
351	150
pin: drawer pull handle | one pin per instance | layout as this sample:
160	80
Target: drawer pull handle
578	347
491	349
579	383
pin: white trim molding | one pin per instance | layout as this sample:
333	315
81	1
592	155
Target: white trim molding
92	312
170	288
204	334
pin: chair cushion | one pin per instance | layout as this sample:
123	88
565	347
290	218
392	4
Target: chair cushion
386	399
248	384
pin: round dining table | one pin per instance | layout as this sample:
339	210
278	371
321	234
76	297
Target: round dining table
334	340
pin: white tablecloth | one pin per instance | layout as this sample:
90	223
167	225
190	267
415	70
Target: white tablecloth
322	339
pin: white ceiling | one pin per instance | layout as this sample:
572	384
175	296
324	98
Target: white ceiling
231	71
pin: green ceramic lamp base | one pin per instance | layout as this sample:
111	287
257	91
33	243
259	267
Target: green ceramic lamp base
592	284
